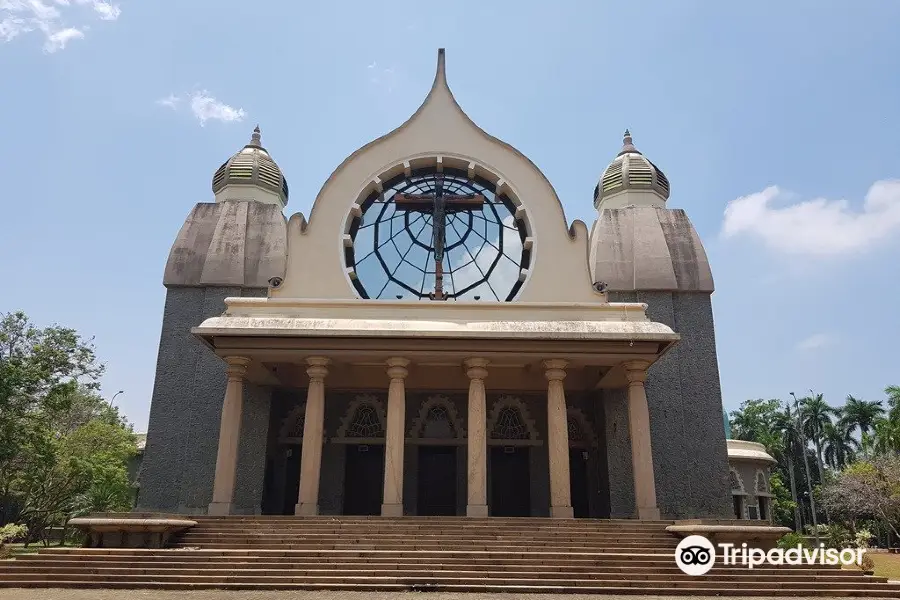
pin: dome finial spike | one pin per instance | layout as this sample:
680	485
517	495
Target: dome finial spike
627	144
255	138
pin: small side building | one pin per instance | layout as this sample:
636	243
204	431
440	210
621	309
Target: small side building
749	468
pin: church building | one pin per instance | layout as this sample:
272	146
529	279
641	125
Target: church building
436	338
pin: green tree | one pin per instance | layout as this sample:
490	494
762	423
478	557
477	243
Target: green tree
755	421
839	445
860	414
893	394
40	370
815	415
63	449
786	426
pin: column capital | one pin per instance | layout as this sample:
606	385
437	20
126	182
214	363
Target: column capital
555	369
636	371
396	367
476	368
237	366
318	368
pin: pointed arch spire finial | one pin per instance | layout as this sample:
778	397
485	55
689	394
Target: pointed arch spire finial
440	75
628	144
255	138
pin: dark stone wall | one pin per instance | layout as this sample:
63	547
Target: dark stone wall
183	433
689	455
618	454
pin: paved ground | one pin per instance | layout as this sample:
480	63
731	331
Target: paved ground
39	594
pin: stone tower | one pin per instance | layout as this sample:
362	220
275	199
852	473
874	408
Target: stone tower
643	251
230	247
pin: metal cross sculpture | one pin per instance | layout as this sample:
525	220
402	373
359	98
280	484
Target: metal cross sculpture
438	205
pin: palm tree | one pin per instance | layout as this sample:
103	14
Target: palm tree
815	414
886	438
840	445
809	484
860	414
786	426
893	394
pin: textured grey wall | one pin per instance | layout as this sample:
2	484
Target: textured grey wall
183	433
689	455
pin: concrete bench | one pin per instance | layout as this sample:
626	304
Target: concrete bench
736	532
139	531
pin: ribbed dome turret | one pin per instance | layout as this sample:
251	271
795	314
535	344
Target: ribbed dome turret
252	166
631	170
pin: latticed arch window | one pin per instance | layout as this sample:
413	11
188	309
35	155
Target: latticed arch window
365	423
296	430
438	423
510	425
761	484
735	480
575	432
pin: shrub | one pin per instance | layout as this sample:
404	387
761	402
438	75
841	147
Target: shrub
8	533
791	540
867	564
863	538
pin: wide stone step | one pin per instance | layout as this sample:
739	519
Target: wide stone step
636	571
450	580
207	554
243	571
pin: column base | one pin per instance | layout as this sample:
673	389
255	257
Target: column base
649	513
219	509
476	510
391	510
562	512
306	509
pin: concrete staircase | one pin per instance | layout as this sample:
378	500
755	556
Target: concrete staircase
424	553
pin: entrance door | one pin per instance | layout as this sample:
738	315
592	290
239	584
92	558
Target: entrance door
510	482
363	479
291	480
437	480
578	482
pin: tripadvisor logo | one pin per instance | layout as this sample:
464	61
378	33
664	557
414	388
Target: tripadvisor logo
696	555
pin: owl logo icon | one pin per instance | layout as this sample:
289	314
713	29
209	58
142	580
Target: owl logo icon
695	555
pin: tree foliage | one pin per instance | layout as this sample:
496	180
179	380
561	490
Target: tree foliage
63	449
856	448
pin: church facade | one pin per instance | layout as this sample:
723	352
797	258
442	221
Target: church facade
437	339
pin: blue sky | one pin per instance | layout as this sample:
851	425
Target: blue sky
115	115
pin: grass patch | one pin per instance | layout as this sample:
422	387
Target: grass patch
886	565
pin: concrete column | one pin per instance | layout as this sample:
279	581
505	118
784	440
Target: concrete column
558	440
313	424
641	451
229	436
395	437
477	442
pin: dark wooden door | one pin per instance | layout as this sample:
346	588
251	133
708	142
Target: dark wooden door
437	480
510	482
291	480
578	482
363	480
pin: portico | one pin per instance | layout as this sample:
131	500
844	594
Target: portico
442	350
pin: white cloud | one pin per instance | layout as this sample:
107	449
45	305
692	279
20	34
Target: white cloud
815	342
205	107
385	78
818	227
52	18
58	39
171	101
